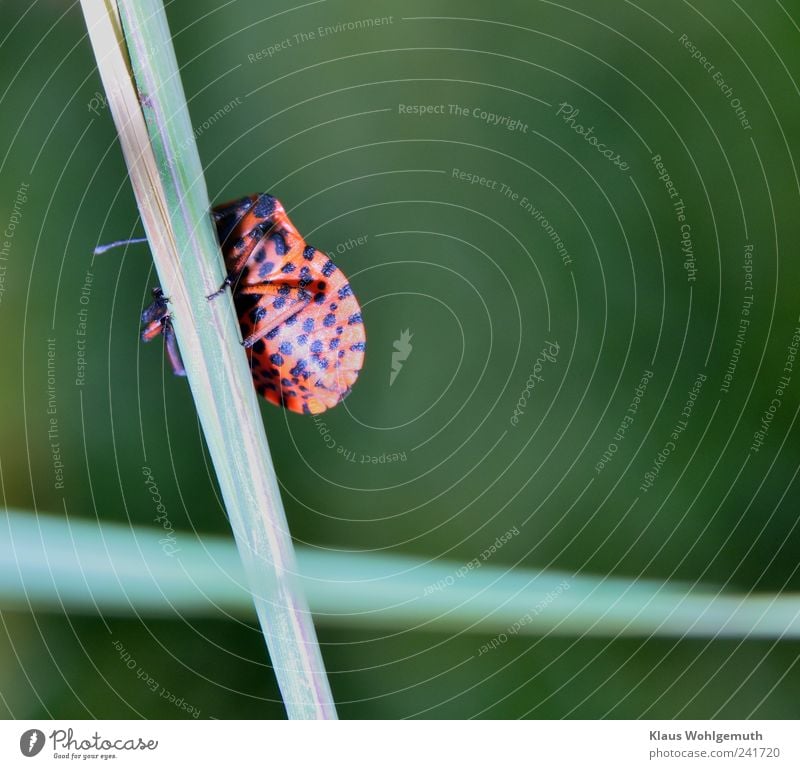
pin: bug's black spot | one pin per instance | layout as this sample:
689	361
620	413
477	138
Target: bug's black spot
265	269
339	329
303	389
355	318
328	268
308	324
265	206
321	285
288	267
305	277
341	353
259	255
286	382
296	381
329	320
239	245
358	347
302	339
257	314
270	386
279	242
345	291
308	252
319	297
306	409
279	302
321	363
228	218
284	289
316	347
272	333
246	302
303	295
291	320
276	358
259	347
286	348
333	306
334	343
299	368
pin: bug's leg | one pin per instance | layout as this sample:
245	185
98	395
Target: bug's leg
157	321
221	290
171	344
241	251
156	310
227	219
108	246
275	304
270	235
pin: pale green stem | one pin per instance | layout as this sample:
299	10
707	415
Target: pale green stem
78	566
167	178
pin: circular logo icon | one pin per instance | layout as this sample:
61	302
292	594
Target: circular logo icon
31	742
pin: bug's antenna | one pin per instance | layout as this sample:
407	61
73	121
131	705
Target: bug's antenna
108	246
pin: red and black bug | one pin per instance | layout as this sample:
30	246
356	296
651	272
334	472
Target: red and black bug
300	321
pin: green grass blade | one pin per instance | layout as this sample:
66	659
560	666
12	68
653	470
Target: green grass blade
167	178
78	566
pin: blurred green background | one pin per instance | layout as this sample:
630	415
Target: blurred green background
482	286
